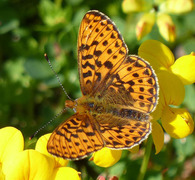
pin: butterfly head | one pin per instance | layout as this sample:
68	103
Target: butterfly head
75	105
70	104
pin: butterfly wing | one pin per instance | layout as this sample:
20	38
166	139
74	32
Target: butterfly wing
133	92
75	138
126	135
101	50
124	86
134	83
123	130
104	65
117	81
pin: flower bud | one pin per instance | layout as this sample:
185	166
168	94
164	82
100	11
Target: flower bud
177	122
145	24
166	27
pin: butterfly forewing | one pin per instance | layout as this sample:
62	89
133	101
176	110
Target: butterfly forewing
101	50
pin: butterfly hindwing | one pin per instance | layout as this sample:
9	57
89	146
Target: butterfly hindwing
135	82
123	128
125	136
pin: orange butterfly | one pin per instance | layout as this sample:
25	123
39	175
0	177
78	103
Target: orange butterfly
119	91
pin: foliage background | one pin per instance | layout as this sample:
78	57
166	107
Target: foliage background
29	92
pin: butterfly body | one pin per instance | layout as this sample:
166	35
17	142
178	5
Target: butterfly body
119	93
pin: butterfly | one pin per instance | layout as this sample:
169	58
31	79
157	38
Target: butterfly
119	91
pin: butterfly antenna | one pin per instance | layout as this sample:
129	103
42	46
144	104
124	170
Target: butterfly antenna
46	57
45	125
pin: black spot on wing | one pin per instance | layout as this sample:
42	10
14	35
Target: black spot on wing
105	43
97	53
89	56
94	43
87	74
98	76
108	64
87	64
146	72
98	63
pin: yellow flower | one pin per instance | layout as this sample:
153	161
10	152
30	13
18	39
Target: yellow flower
106	157
166	27
172	76
16	163
11	143
41	146
67	173
135	5
182	67
59	171
145	24
159	11
177	122
28	164
178	6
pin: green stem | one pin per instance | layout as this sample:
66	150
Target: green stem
146	158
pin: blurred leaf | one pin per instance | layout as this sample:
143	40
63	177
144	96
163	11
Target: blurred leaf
16	73
189	46
189	100
189	21
10	25
8	18
74	2
172	171
153	175
53	82
117	169
37	69
78	16
53	14
184	147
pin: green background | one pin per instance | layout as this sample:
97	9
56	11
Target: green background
30	94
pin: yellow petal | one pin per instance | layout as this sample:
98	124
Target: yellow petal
106	157
2	175
41	146
129	6
184	68
11	142
157	54
66	173
166	27
145	24
178	6
156	114
171	87
135	149
177	122
27	165
157	136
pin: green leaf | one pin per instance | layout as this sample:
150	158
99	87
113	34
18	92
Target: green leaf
37	69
